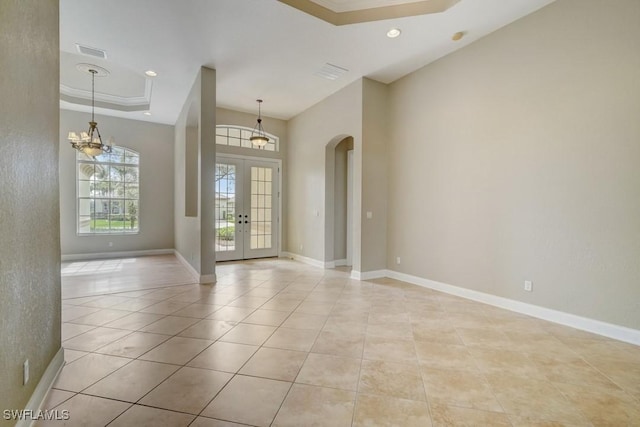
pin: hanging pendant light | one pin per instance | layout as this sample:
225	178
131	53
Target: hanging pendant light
258	137
90	142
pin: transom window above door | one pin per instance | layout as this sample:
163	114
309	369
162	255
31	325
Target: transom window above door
238	136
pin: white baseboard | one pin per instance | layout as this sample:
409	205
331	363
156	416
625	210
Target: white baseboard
336	263
42	389
368	275
107	255
617	332
304	259
207	278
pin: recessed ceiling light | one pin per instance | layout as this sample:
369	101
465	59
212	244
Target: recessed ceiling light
393	33
151	73
147	113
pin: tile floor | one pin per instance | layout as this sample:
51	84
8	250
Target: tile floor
278	343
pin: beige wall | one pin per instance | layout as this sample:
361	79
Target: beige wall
154	142
375	145
194	236
516	158
327	122
29	215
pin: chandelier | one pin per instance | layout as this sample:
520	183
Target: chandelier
90	142
258	137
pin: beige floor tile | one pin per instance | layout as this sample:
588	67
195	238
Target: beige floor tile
314	307
275	364
244	333
389	349
266	317
445	356
292	339
143	416
188	390
263	396
282	304
436	331
603	406
248	302
483	337
133	345
459	388
307	405
199	311
224	356
337	324
134	321
165	307
373	411
87	411
70	330
574	372
88	369
540	373
231	314
339	344
94	339
402	380
208	329
134	304
210	422
56	397
71	355
330	371
497	361
70	313
533	398
132	381
400	330
624	374
170	325
305	321
177	350
101	317
383	318
446	416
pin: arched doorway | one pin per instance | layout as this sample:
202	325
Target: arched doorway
339	202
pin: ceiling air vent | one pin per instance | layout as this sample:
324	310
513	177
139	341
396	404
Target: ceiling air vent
91	51
330	71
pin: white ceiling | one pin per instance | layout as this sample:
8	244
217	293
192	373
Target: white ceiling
260	48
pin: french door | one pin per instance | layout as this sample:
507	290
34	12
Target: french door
246	208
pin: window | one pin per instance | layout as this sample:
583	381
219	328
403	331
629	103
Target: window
238	136
108	192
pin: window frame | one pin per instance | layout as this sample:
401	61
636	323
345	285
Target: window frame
272	137
82	159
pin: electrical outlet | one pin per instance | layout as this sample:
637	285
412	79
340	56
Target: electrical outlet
110	244
25	372
301	247
528	285
398	260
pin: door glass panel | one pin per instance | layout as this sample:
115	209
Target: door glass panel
225	207
261	180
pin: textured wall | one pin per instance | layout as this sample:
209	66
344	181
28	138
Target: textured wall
516	158
29	214
154	142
